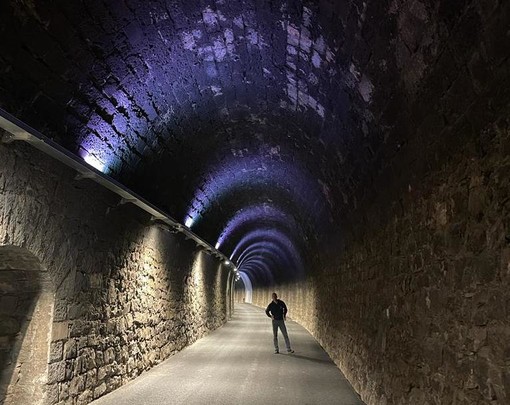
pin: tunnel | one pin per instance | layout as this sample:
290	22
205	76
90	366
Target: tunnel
167	165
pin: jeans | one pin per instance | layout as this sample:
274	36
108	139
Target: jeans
280	324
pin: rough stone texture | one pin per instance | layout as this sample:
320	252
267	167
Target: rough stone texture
128	293
417	310
227	107
218	111
26	307
352	144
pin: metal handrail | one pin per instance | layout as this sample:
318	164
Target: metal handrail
17	130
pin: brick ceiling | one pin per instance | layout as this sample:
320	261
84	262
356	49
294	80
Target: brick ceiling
252	122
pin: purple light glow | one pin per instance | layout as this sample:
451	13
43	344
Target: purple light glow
153	89
173	74
254	213
263	249
273	257
268	245
257	263
93	151
257	267
273	235
291	180
142	91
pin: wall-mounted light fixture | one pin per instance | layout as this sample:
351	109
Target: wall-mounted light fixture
17	130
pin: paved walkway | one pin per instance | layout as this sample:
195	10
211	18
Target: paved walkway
236	365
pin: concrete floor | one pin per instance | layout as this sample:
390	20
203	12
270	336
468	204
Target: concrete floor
236	365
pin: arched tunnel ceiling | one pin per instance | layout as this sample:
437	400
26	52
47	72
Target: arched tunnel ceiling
252	122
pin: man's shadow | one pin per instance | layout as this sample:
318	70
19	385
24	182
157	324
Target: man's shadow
314	360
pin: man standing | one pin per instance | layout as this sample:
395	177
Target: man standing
277	311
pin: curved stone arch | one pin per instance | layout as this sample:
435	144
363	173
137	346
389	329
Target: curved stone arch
27	297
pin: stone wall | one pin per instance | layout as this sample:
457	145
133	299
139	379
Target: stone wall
128	293
417	309
26	308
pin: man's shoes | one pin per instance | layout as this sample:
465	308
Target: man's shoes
276	351
290	351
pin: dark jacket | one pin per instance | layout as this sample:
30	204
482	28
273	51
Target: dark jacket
277	309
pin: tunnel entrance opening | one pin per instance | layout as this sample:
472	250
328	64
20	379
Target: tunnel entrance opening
243	289
26	311
248	288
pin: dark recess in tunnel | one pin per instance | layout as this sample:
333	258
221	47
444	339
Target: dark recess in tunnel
26	296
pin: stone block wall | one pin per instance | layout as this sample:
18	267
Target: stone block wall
417	308
26	308
127	293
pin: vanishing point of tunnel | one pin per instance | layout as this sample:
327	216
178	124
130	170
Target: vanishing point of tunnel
166	165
